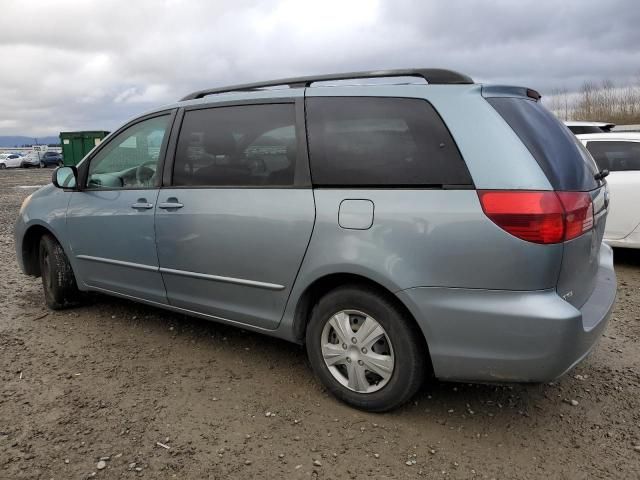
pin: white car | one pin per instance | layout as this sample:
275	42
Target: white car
579	127
31	159
620	154
10	160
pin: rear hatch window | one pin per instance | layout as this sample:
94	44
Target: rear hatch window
567	166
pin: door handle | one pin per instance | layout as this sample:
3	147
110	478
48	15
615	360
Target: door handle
142	204
171	203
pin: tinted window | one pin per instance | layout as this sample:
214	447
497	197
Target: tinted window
381	141
249	145
616	156
555	148
130	159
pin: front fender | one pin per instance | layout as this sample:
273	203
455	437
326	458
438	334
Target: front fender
45	208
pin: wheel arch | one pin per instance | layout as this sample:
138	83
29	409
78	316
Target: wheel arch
323	285
30	246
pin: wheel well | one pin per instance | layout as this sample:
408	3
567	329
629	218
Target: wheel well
30	249
322	286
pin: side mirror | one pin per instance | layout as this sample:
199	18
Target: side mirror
65	177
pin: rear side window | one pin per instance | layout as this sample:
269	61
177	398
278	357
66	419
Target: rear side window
557	151
247	145
616	156
368	141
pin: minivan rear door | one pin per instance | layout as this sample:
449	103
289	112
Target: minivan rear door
569	168
234	224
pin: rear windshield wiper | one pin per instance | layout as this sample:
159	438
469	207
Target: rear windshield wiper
601	174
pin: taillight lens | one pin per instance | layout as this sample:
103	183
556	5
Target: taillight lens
578	209
539	217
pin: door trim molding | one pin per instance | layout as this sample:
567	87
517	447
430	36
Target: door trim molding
184	273
121	263
218	278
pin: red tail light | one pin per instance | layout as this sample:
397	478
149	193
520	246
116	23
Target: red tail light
539	217
578	209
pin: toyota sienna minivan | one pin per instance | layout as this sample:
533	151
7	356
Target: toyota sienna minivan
400	224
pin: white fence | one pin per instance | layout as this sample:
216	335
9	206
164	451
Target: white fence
27	149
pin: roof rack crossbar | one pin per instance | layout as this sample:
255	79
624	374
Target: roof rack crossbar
433	76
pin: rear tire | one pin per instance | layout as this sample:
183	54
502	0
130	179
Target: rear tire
389	343
58	280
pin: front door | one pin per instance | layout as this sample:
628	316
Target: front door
111	221
233	228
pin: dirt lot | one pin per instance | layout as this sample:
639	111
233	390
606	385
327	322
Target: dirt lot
112	379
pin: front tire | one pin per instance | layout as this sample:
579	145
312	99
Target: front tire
365	349
58	280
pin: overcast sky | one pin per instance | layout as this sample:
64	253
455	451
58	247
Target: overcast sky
83	64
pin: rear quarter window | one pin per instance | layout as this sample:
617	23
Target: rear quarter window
565	163
370	141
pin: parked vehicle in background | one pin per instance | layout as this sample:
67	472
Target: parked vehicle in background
10	160
620	154
51	159
30	160
396	230
589	127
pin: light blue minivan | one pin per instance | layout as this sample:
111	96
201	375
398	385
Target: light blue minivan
399	223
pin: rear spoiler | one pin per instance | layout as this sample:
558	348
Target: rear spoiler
491	91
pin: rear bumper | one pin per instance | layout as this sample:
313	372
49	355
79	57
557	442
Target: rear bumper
501	335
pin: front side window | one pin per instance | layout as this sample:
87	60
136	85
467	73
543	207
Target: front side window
367	141
244	145
130	160
615	156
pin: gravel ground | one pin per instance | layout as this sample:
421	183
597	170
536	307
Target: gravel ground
120	390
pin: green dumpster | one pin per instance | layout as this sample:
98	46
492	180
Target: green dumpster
75	145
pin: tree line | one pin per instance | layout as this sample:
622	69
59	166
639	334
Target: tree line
598	102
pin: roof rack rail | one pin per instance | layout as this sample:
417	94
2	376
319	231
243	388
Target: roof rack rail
433	76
